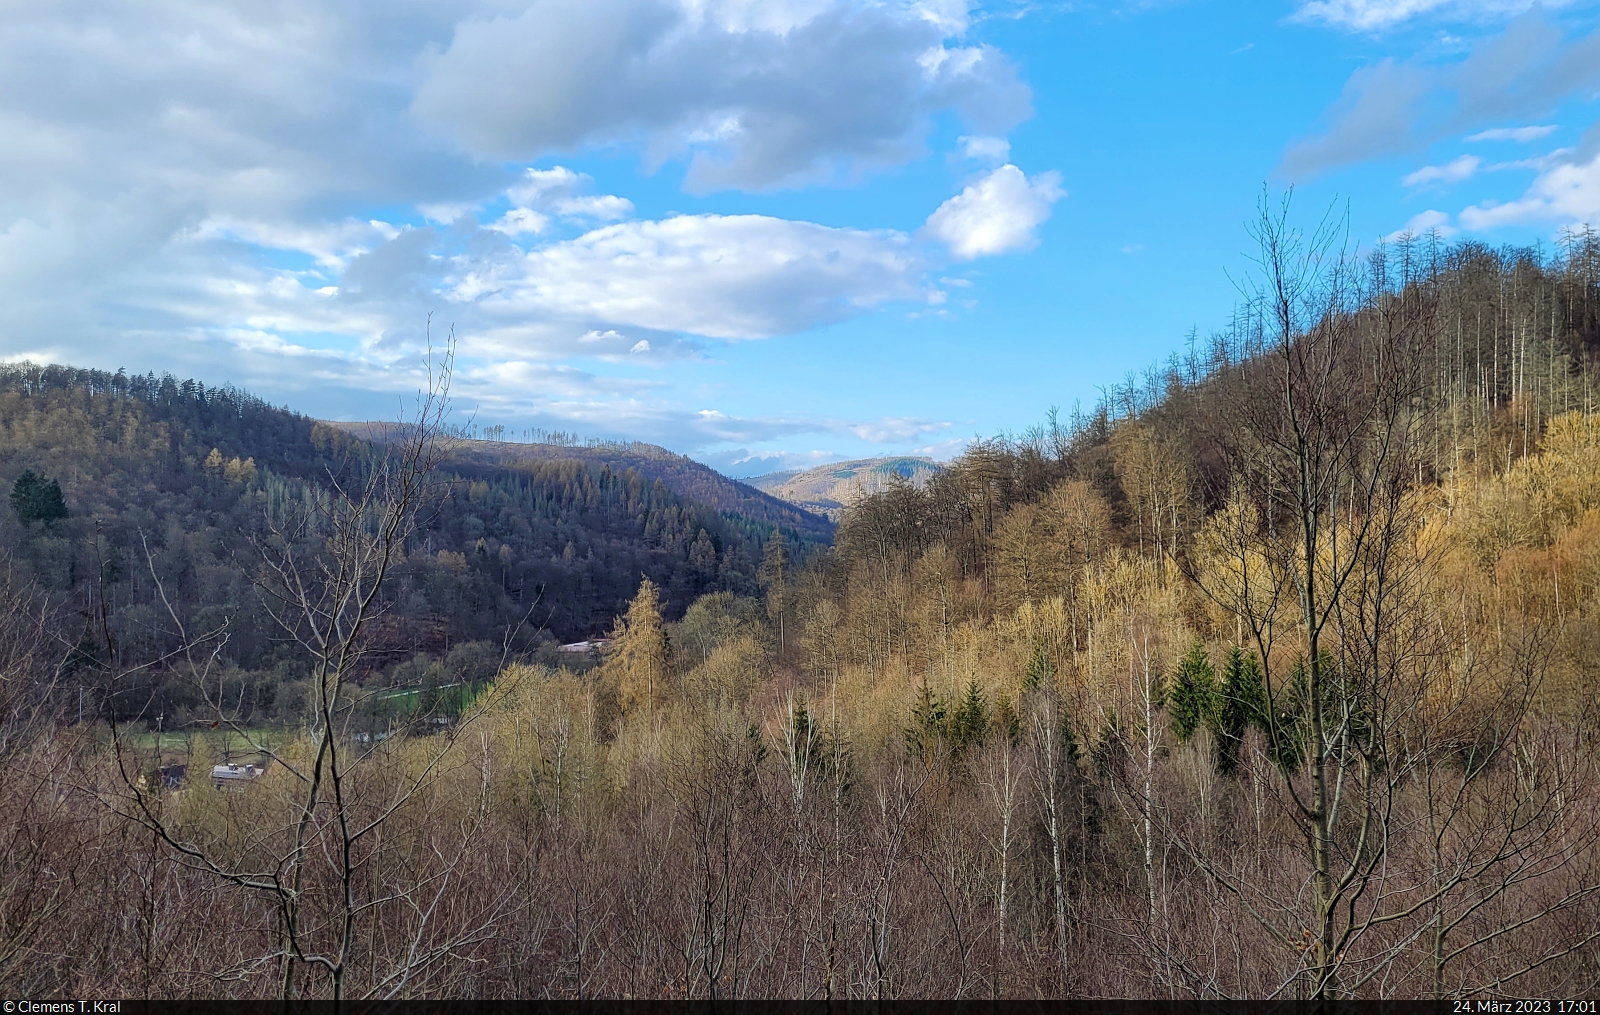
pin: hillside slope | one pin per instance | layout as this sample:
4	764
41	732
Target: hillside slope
829	489
682	475
169	486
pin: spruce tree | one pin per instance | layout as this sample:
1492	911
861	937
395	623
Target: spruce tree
927	730
1192	701
969	726
35	498
1243	704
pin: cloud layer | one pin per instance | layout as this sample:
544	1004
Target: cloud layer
280	194
756	95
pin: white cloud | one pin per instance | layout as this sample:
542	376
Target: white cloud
1423	223
721	276
1454	171
331	245
985	148
892	430
557	191
542	187
756	96
1376	15
742	463
996	214
1550	159
446	212
521	222
641	346
1366	15
1567	193
1521	135
945	450
604	207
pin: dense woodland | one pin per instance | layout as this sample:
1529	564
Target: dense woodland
170	489
1272	676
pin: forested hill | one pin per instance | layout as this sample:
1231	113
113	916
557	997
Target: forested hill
681	474
176	478
830	489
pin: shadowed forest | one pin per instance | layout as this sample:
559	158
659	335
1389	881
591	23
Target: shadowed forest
1274	675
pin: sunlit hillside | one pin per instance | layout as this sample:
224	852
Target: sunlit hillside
830	489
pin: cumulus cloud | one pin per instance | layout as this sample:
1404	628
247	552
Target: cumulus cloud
1395	107
996	214
521	222
1454	171
721	276
1521	135
604	207
558	191
755	95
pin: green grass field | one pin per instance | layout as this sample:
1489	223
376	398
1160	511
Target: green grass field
176	746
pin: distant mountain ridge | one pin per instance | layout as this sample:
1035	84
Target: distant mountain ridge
828	489
682	475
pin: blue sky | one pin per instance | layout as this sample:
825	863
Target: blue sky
765	234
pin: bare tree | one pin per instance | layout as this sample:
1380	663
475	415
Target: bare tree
1320	446
30	661
1050	760
316	854
1002	782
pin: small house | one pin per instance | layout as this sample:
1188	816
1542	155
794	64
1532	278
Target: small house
234	773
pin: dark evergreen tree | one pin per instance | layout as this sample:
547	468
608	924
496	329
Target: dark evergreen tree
36	499
1193	700
925	736
1243	703
969	725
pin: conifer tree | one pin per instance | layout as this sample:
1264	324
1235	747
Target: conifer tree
927	729
1242	704
640	649
969	725
35	498
1193	701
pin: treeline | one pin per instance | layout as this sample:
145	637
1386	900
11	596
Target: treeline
1271	677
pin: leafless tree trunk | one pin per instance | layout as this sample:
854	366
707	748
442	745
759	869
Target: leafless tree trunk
1044	732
